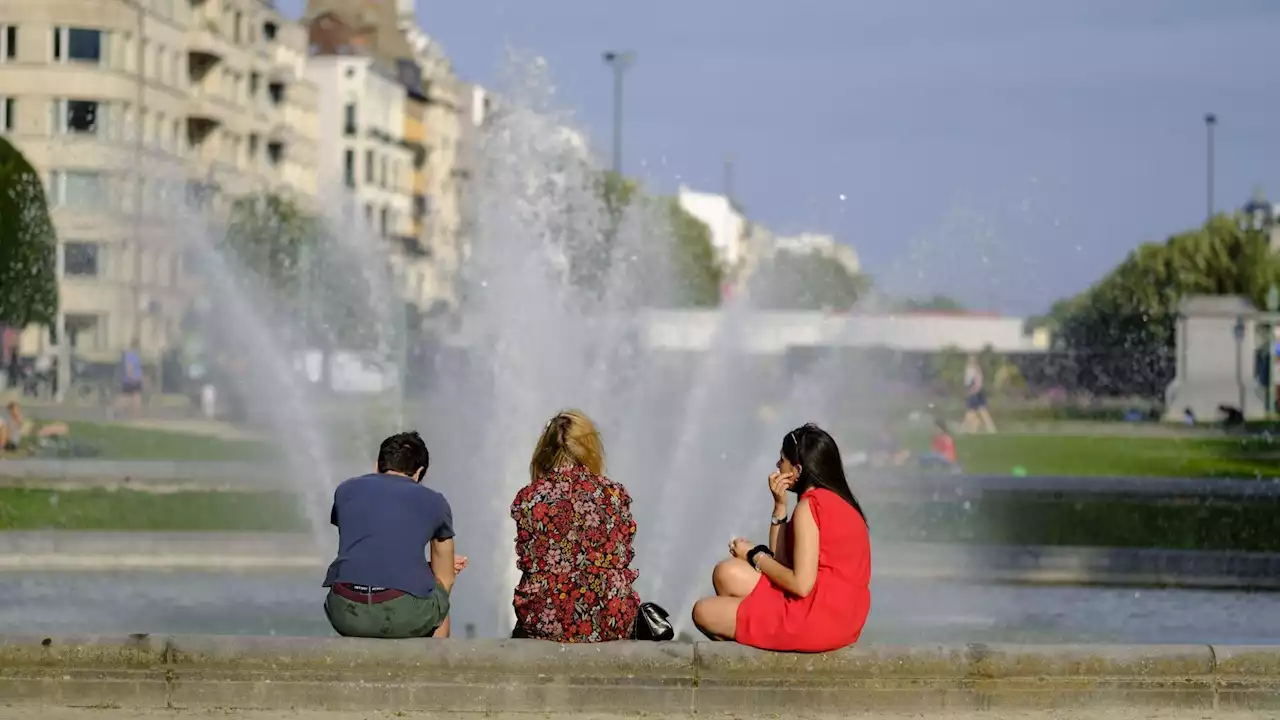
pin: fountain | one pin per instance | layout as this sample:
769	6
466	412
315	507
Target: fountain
557	312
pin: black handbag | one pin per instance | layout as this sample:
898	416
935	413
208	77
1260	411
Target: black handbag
652	623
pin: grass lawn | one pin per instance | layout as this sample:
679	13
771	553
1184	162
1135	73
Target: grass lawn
120	442
1119	456
24	509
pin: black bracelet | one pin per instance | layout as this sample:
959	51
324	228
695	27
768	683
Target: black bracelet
755	552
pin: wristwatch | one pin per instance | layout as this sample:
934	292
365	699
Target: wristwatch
775	520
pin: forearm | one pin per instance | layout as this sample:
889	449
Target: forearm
781	575
775	529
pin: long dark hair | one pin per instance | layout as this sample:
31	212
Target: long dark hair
815	451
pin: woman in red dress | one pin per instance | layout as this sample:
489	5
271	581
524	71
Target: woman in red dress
573	541
808	590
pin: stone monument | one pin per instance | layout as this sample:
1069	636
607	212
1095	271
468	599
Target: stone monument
1216	359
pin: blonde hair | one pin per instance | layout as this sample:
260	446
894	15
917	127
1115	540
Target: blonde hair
570	438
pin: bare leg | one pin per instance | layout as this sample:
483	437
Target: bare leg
717	617
443	630
734	578
987	422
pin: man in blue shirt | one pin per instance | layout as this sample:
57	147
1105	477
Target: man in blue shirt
381	584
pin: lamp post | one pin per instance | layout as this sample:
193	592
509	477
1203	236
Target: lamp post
1238	331
619	62
1273	305
1210	122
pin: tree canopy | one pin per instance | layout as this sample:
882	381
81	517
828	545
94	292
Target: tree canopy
940	303
691	258
807	281
28	244
1127	319
296	262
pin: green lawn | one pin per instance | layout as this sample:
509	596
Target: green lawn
26	509
995	518
1119	456
120	442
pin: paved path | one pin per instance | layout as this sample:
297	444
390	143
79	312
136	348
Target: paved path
25	712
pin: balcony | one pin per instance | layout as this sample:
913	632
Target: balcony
203	107
204	38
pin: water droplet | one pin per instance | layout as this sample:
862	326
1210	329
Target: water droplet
842	197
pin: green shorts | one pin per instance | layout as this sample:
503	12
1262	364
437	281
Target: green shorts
407	616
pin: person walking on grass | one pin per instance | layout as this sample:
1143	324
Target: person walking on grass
976	414
381	584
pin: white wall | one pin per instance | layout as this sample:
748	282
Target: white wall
727	226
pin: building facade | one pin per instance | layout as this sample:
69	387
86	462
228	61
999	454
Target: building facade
726	223
125	107
388	33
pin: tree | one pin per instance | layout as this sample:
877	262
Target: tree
807	281
28	244
301	268
1126	321
939	303
696	272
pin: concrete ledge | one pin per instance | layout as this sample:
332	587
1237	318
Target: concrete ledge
528	676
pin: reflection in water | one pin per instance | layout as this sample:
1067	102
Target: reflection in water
902	612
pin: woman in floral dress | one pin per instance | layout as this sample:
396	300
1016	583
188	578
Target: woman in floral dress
573	541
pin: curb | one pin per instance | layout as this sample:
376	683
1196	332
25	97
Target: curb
143	671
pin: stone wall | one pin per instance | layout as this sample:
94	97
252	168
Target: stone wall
144	671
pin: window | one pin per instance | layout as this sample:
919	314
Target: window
8	43
86	332
349	167
383	214
369	175
77	45
349	119
382	171
80	190
80	259
75	117
8	113
255	81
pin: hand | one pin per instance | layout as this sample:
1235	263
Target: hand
459	564
779	484
739	547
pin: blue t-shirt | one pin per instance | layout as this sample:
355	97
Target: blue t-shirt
385	523
132	365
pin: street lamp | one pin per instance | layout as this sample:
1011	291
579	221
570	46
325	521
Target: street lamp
1210	122
1238	331
620	62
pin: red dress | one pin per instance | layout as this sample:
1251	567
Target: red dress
833	614
573	545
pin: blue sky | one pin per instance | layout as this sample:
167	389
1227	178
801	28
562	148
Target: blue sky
1007	152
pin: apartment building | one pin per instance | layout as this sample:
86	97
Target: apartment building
129	109
364	113
388	31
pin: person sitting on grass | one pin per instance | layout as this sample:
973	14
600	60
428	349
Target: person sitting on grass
889	453
942	453
808	590
381	585
14	428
